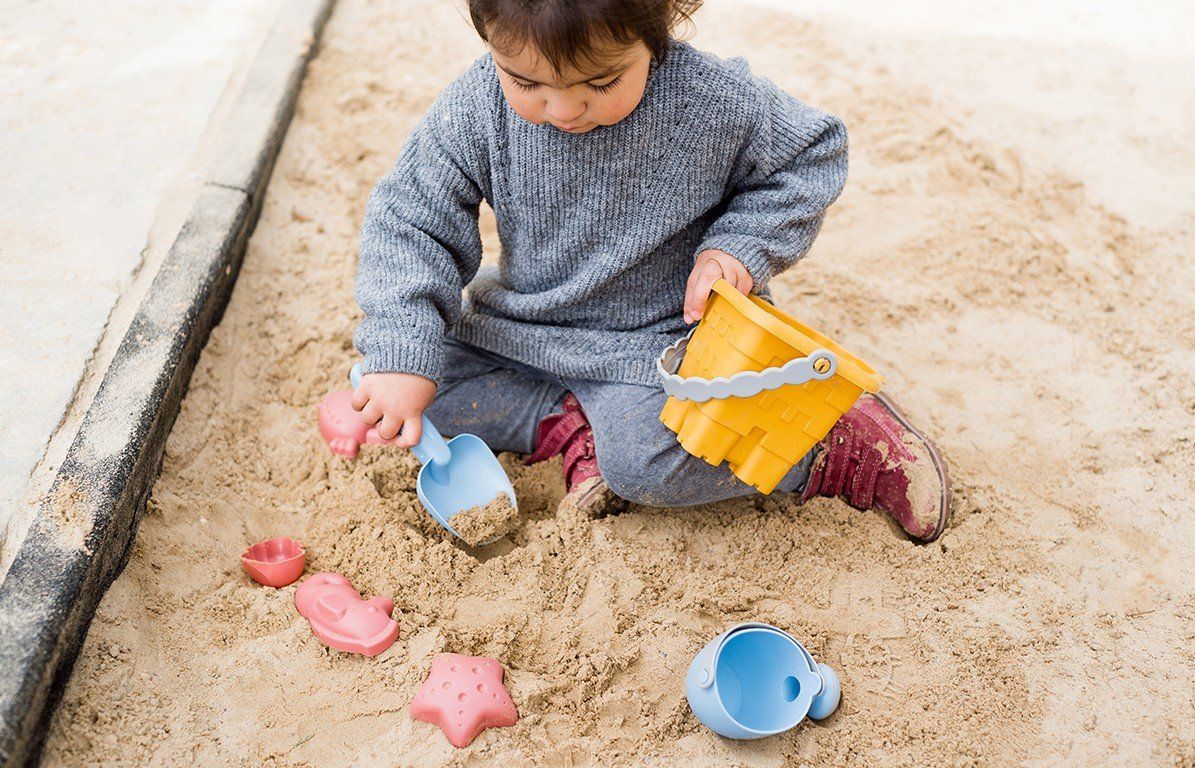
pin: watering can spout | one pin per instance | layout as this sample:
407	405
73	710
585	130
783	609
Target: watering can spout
826	701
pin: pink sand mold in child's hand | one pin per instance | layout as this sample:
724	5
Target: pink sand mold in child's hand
342	428
464	695
275	562
341	619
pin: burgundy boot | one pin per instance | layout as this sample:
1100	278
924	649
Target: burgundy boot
875	459
569	435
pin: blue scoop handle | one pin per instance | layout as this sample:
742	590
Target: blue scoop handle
431	448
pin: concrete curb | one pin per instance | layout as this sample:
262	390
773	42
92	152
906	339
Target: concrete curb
80	538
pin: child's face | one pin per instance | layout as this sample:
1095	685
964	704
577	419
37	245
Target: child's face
576	100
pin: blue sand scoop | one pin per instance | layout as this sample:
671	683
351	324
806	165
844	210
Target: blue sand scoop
456	475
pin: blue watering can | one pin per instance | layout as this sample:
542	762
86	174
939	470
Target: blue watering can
756	680
456	475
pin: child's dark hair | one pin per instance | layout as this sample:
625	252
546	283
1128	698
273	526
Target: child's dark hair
573	32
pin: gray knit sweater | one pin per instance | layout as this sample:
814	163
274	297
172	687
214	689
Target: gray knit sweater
599	230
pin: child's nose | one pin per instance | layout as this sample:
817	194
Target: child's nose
564	108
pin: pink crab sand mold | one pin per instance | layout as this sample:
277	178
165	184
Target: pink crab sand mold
341	619
342	428
275	562
464	695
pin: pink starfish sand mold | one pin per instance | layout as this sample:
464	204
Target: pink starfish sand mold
464	695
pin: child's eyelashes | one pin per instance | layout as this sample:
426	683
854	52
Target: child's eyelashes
602	88
606	87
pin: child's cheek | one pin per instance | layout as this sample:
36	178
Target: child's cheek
616	108
524	105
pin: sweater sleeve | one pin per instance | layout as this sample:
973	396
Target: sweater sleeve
420	243
792	168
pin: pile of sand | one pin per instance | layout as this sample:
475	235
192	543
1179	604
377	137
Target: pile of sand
1017	322
485	523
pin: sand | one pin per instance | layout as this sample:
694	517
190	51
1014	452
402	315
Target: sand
1044	341
485	523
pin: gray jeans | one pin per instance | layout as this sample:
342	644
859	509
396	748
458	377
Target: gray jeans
502	402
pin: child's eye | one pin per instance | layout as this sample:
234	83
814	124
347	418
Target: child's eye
607	87
525	86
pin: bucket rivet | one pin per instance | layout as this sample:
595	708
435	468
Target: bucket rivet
821	365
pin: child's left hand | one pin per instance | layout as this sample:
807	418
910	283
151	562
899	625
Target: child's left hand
709	266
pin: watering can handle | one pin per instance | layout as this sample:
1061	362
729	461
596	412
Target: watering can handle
431	448
818	365
705	658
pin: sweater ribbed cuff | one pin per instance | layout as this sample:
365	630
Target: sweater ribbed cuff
748	250
421	355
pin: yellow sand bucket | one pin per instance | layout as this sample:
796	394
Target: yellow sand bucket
754	388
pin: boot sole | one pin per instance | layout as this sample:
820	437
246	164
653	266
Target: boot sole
599	501
939	466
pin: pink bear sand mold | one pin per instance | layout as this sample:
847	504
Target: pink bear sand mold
342	428
275	562
341	619
464	695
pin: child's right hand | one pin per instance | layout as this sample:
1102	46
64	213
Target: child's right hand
393	401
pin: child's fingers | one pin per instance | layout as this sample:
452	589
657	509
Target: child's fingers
693	273
707	275
704	275
412	432
371	412
360	398
738	276
388	427
691	284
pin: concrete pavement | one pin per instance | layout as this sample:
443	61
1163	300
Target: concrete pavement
102	108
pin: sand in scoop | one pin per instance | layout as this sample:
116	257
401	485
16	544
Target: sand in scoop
480	524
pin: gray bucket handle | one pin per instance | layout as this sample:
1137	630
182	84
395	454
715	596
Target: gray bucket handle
818	365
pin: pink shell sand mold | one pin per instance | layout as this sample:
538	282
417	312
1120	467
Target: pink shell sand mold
275	562
341	619
464	695
342	428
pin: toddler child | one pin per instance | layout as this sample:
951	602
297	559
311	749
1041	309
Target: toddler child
627	172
